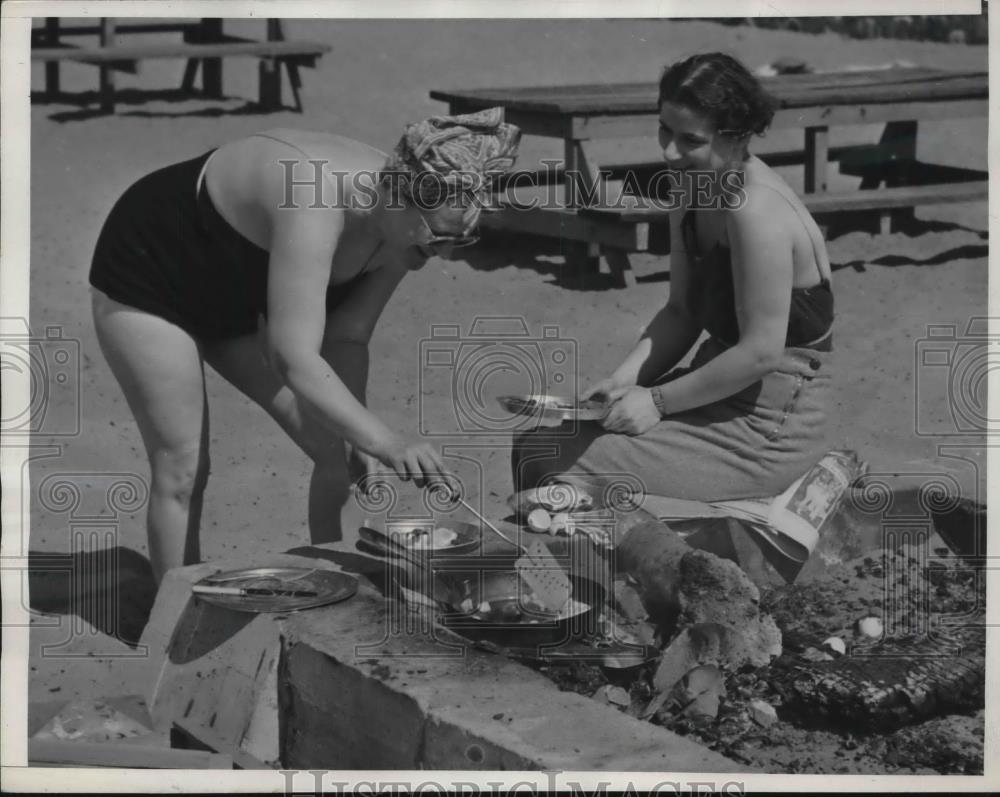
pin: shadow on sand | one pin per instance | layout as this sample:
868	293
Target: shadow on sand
111	589
89	105
502	249
547	256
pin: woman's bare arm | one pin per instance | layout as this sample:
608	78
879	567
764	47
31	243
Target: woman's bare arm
762	278
303	242
351	322
672	331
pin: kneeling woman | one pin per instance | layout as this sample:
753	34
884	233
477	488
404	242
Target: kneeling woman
276	278
748	416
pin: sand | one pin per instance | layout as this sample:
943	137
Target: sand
377	76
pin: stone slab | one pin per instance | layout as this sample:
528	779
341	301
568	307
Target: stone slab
356	696
365	685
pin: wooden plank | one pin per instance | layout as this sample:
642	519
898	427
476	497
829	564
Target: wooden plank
874	199
180	50
901	197
853	153
963	88
646	91
130	756
891	85
921	173
834	116
640	125
616	126
95	30
125	65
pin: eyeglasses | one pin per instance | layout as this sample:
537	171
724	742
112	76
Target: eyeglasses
435	240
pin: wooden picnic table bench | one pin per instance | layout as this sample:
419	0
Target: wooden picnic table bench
204	44
898	98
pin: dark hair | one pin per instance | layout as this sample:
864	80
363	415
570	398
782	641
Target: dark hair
720	87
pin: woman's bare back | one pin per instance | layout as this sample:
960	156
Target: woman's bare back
250	181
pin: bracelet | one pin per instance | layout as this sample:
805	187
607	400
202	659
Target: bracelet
657	395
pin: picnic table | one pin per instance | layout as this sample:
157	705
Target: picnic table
893	181
204	45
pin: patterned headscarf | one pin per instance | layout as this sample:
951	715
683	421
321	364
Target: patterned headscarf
449	156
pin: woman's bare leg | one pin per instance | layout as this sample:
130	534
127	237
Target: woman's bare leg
159	368
241	361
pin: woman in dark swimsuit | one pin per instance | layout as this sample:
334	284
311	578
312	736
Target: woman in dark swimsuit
748	416
278	286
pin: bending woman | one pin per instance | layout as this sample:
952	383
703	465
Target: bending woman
276	277
748	416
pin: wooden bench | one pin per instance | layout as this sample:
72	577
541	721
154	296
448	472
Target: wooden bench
204	45
882	200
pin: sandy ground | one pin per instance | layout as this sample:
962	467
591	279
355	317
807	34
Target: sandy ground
377	77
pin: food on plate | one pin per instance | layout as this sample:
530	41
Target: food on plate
539	520
422	539
552	498
560	521
529	610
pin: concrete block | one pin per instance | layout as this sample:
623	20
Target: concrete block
411	707
215	669
362	685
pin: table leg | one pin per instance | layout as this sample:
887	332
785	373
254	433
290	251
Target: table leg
190	72
52	67
897	152
620	266
295	81
581	257
269	92
191	35
276	32
211	68
594	182
817	159
903	154
106	79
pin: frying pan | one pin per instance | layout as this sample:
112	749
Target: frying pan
511	619
459	585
